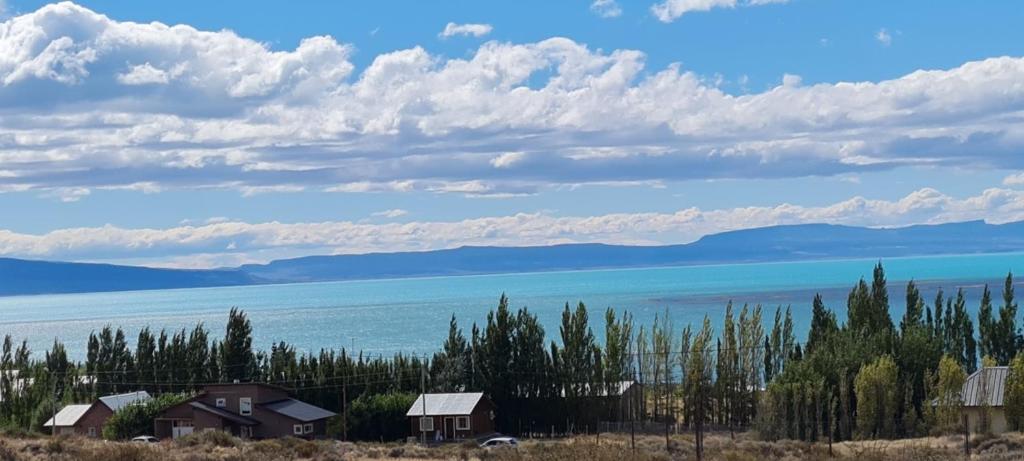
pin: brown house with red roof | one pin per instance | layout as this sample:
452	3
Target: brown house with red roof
246	410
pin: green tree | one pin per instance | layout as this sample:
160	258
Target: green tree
987	327
237	358
877	404
823	324
137	419
1014	394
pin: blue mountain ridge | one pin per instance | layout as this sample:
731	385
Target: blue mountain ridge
776	243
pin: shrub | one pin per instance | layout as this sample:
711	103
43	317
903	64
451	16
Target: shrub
135	420
211	438
377	417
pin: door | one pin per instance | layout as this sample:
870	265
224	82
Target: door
449	428
181	428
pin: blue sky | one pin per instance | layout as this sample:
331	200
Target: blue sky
262	130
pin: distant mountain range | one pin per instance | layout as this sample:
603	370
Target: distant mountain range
777	243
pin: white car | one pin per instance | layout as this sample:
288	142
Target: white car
500	442
145	439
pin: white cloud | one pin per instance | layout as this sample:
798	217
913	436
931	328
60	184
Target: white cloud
143	75
1014	180
222	241
884	37
151	107
606	8
393	213
670	10
476	30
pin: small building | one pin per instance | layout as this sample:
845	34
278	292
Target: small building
88	419
985	388
246	410
454	416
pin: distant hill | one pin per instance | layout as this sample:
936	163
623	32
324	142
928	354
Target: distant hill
22	277
777	243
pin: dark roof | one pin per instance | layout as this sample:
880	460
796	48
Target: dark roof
224	414
991	380
298	410
251	383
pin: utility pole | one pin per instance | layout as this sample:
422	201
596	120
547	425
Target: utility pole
344	408
632	419
668	399
53	407
967	438
423	392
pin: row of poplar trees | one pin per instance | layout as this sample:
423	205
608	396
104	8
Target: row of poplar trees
871	378
862	378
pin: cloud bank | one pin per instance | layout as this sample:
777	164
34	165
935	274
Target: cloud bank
222	242
89	102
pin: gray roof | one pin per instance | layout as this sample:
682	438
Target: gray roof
119	401
992	380
446	404
68	415
298	410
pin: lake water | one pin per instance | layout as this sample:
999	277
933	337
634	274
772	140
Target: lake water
411	315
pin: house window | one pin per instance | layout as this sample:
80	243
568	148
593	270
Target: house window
92	431
222	402
245	406
426	424
462	423
297	429
308	428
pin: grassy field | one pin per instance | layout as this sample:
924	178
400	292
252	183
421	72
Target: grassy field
221	447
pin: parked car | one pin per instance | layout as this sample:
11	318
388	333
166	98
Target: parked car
145	439
500	442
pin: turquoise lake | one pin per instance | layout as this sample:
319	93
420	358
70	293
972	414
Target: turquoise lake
411	315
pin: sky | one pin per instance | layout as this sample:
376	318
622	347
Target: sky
211	134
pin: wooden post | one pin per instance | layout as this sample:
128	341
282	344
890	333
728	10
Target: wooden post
423	391
967	437
344	408
53	407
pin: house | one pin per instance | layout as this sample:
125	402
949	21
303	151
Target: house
453	416
985	386
88	419
246	410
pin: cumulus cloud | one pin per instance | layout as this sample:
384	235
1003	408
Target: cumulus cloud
392	213
670	10
90	103
884	37
606	8
1014	180
220	241
476	30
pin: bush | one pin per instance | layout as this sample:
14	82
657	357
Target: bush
213	438
377	417
135	420
7	453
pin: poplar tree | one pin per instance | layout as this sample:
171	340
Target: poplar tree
987	328
1014	394
237	358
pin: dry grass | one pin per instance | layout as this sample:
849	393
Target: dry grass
220	447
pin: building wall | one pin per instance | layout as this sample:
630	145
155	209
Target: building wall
95	418
997	416
232	392
480	424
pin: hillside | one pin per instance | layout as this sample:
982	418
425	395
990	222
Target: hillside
778	243
21	277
